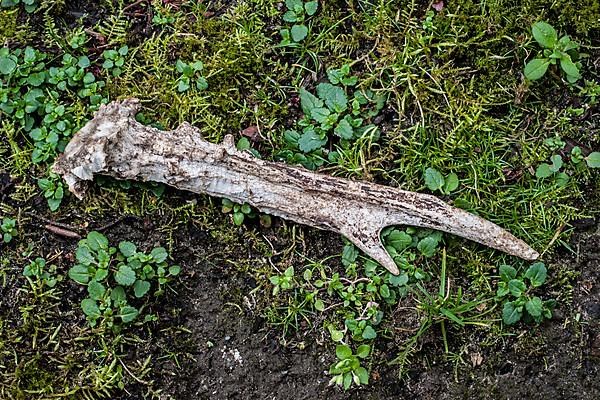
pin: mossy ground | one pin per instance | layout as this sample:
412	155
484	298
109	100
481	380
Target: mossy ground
457	101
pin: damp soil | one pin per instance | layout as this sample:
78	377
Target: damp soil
231	352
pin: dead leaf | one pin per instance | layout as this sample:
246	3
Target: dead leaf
251	133
439	6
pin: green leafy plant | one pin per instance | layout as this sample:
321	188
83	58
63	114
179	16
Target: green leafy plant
8	229
44	274
347	370
561	51
576	157
331	112
53	190
296	14
519	301
284	281
29	5
191	74
33	93
239	211
116	276
114	60
435	181
77	39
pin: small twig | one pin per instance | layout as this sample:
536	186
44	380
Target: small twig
54	223
62	232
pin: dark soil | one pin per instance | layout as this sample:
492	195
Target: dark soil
232	353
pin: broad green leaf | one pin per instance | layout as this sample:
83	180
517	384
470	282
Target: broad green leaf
398	280
174	270
334	97
90	308
398	239
384	291
309	101
534	307
290	16
336	335
507	273
427	246
516	287
118	295
128	313
593	160
320	114
238	218
349	254
543	171
362	375
544	34
7	65
433	179
97	241
159	254
319	305
343	352
79	273
344	130
140	288
536	274
96	290
299	32
450	183
369	333
511	314
347	380
363	351
101	274
125	275
310	141
536	68
311	7
127	248
569	66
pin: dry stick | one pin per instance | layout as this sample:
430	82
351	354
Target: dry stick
62	232
115	144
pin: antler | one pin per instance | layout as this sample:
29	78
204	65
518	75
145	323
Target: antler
113	143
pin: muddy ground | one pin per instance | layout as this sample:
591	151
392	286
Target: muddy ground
232	353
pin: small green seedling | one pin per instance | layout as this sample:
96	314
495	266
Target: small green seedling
77	39
114	277
114	60
45	275
284	281
331	111
519	302
8	229
190	74
562	51
296	14
239	211
347	370
435	181
53	189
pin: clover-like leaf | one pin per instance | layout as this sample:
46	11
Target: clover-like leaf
140	288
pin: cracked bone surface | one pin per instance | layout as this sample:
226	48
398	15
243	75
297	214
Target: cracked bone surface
113	143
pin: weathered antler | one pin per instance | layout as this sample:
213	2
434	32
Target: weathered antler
115	144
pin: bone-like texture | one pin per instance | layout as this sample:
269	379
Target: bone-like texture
115	144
